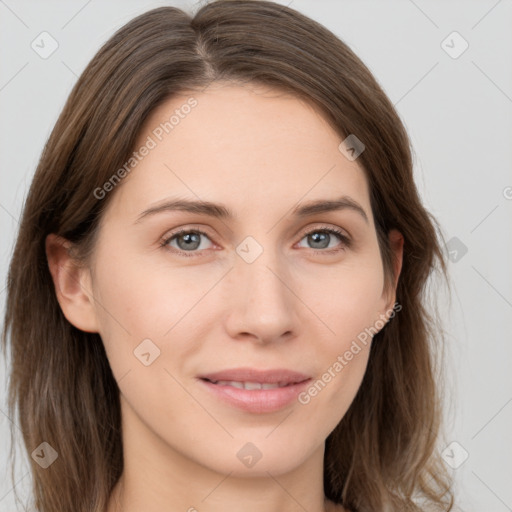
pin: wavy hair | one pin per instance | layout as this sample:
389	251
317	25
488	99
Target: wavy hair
384	453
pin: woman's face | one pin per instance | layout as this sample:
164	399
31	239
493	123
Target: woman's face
264	288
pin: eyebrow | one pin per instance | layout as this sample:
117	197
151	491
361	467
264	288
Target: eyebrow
222	212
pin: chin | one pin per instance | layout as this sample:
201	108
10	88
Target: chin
245	459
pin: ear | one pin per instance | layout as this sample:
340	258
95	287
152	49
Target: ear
72	284
396	242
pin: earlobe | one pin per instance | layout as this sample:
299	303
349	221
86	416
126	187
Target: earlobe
72	284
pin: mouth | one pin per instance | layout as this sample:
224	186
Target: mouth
279	376
255	391
252	385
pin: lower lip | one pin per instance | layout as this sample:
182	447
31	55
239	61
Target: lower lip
256	400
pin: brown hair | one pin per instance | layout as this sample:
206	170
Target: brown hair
383	455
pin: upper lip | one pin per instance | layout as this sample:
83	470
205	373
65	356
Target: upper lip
277	375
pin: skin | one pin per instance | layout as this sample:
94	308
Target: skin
259	152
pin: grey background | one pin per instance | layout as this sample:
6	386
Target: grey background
458	114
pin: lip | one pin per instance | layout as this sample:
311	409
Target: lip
256	400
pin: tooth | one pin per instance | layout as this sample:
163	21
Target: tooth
252	385
231	383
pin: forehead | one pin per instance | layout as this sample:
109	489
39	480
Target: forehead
242	145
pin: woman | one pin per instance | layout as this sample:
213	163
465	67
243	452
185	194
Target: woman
215	300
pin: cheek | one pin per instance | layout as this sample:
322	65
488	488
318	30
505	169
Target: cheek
348	299
143	295
350	311
141	298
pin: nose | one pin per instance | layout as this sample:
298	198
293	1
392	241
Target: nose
262	306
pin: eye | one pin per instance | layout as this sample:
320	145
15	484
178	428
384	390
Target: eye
187	241
321	239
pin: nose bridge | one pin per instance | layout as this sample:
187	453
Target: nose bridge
261	298
258	266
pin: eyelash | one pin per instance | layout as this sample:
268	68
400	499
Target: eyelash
324	229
